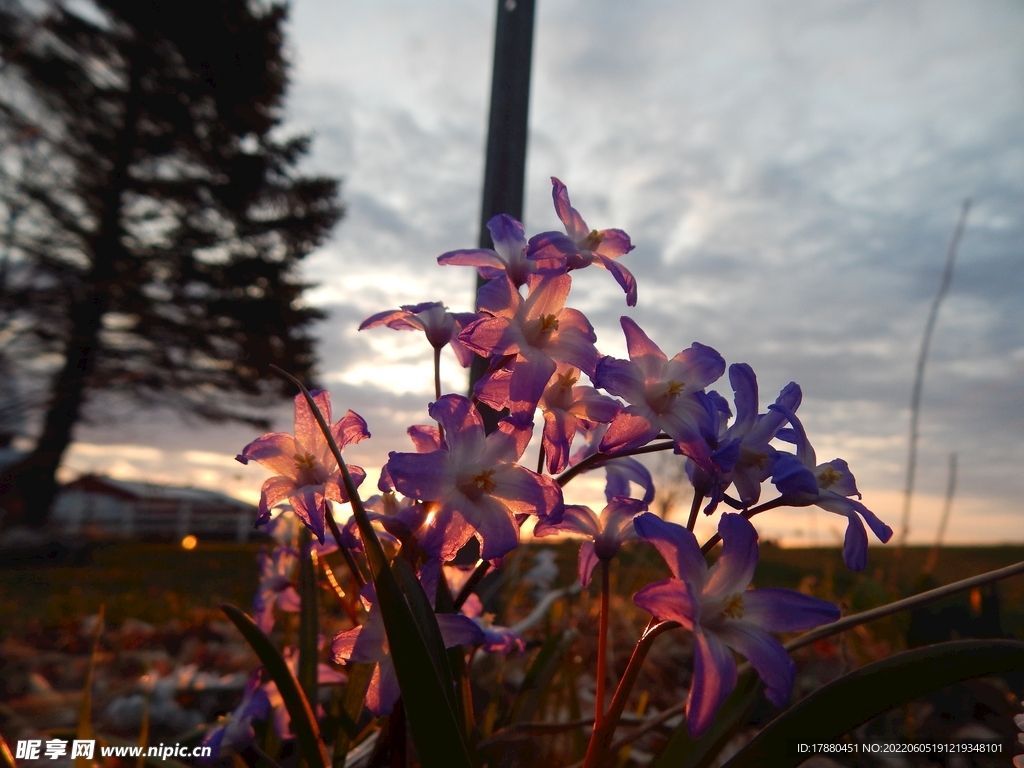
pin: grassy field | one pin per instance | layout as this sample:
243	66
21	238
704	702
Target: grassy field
160	582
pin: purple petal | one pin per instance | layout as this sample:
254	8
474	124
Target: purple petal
463	426
698	365
670	600
744	387
622	276
837	478
676	545
458	630
714	678
424	476
804	451
623	378
586	563
783	610
575	518
559	429
734	569
621	472
551	248
614	243
630	429
425	438
489	265
575	226
766	655
529	378
490	336
307	431
383	690
275	451
499	298
350	429
639	343
791	477
398	319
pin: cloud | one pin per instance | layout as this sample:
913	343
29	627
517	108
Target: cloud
789	172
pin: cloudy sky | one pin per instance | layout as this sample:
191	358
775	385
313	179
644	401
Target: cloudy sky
790	173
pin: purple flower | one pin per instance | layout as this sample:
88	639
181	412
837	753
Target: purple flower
663	395
368	644
507	258
539	330
606	533
803	482
722	613
750	457
496	639
441	326
275	587
307	473
567	408
475	482
580	246
235	732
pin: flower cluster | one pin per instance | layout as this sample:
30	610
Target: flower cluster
464	481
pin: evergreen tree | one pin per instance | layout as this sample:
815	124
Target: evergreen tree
160	220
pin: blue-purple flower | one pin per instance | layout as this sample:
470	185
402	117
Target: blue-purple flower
475	482
662	394
508	257
433	318
581	246
744	456
307	472
722	613
606	533
539	331
566	408
803	482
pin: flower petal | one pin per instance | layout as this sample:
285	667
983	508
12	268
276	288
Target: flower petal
575	226
275	451
766	655
458	630
670	600
676	545
714	678
586	563
622	276
783	610
307	431
734	569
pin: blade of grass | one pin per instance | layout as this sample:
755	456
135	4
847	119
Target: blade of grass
303	720
432	721
84	730
351	709
844	704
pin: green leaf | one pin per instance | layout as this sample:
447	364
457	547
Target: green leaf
351	708
855	698
432	721
303	720
423	614
684	751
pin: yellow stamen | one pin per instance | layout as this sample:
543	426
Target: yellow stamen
828	476
484	481
733	608
305	461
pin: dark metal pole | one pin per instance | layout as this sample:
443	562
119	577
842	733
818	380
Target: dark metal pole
505	169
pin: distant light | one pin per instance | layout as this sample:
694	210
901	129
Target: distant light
189	542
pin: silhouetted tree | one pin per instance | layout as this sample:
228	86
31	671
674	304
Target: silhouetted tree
161	217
